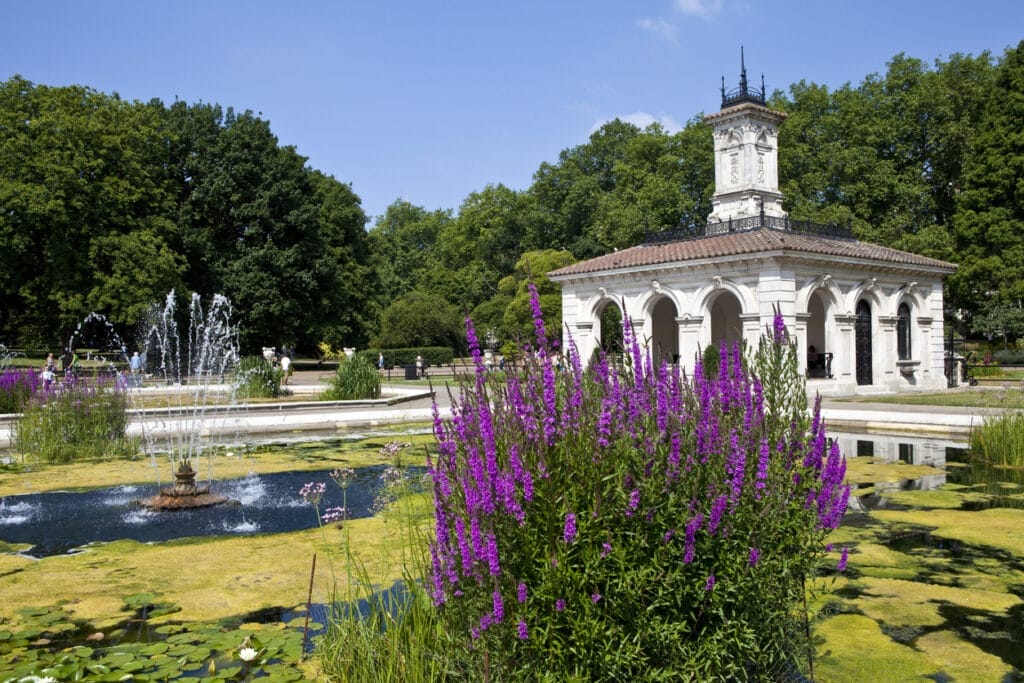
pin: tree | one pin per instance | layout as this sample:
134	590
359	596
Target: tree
402	244
533	267
418	319
262	229
989	222
81	171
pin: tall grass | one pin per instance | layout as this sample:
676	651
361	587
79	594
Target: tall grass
80	421
1000	440
393	634
357	379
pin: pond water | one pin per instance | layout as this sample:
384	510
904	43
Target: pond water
937	562
59	522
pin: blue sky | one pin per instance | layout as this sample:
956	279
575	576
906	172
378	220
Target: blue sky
429	101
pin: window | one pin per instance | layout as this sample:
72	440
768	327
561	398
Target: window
903	332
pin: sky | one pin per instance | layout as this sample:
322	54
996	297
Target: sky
430	101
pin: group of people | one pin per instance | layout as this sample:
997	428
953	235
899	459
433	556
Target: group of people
282	360
50	371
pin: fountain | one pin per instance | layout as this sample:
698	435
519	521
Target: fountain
195	370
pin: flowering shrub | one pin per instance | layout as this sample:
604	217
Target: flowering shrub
80	421
17	386
627	522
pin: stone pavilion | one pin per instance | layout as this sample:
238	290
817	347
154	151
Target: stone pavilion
867	318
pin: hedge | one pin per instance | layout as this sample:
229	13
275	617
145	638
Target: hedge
394	358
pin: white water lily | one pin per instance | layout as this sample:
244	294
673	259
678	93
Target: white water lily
247	654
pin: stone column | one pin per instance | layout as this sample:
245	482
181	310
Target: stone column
585	341
690	347
844	362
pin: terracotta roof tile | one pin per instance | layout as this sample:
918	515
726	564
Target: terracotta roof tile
749	242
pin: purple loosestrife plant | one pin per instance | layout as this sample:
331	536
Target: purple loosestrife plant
537	480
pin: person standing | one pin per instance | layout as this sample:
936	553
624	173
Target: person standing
135	365
380	362
419	366
286	368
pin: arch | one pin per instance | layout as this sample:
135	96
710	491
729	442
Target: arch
608	323
724	312
817	342
862	343
904	348
664	331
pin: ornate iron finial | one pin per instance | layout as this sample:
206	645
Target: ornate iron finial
743	73
744	93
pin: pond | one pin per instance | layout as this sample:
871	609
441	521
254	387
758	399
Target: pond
935	583
58	522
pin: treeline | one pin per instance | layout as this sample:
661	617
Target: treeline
107	205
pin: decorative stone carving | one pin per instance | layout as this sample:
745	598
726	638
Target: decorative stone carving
656	287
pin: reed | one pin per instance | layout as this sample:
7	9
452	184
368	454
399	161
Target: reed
1000	440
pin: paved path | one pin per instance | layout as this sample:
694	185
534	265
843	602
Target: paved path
410	402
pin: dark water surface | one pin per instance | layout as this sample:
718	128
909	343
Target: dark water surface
58	522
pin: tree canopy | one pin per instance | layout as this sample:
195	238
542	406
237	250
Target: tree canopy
109	204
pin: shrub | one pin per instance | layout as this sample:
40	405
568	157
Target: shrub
17	386
80	421
625	522
255	377
396	358
1008	357
357	379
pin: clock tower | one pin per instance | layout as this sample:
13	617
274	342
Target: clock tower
746	134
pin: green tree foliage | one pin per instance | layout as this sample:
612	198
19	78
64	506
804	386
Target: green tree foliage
604	194
990	209
403	247
887	154
517	321
79	172
419	319
269	233
108	205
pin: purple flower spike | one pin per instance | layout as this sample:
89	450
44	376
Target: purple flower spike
521	592
522	632
560	605
569	533
754	556
842	560
710	583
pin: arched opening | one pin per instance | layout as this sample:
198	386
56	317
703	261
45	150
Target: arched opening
903	347
725	319
610	332
819	355
664	332
862	342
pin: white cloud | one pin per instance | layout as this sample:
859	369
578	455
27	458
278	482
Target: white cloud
705	9
642	119
659	27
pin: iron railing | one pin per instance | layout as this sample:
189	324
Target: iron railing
747	224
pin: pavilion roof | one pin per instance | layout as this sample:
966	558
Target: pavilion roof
750	242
